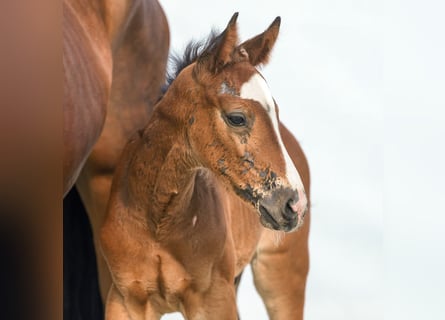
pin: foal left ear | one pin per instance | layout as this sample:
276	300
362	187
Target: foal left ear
257	49
220	54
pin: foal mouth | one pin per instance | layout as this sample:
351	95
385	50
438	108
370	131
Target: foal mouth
268	218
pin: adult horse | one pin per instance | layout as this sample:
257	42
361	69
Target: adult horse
204	189
114	58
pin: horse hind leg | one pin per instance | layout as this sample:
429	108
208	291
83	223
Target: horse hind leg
280	273
237	283
280	268
80	279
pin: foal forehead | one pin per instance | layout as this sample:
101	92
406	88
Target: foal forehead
256	88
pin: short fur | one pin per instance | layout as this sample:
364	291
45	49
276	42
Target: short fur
187	207
114	59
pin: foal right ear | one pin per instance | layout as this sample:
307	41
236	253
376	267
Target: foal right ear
257	49
220	53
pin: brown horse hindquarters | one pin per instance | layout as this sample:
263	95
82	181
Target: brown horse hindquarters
140	49
87	82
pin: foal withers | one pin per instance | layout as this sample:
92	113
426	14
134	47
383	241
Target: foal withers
213	141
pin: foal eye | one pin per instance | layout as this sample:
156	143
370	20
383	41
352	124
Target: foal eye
236	119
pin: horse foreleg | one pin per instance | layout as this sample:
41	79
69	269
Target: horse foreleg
115	308
218	302
280	270
118	308
95	191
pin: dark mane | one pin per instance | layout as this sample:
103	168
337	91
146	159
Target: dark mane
192	52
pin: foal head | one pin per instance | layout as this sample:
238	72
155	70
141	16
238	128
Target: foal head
232	126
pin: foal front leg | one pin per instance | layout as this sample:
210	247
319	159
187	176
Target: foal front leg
118	308
280	270
115	308
217	303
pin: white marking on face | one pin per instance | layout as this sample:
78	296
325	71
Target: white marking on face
225	89
194	219
257	89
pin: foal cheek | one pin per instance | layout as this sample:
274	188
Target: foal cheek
239	150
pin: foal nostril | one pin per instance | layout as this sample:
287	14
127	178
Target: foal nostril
289	212
295	198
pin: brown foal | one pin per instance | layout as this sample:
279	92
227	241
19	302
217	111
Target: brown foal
202	191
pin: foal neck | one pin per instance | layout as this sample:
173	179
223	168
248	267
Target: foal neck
161	173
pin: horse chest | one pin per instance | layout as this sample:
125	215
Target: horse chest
245	232
164	280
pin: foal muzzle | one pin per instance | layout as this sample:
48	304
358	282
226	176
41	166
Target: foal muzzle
283	209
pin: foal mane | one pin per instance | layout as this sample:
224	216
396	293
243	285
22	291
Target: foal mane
193	50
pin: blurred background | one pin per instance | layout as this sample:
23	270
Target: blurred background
361	85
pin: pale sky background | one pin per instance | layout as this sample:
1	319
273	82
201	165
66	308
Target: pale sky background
361	85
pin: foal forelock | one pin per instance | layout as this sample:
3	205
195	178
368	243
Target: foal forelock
256	88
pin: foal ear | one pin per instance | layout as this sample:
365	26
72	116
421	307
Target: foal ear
220	54
257	49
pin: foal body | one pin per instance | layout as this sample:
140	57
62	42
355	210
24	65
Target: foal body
179	249
194	191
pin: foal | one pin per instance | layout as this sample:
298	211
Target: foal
210	157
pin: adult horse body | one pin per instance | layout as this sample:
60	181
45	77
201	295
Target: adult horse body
203	190
87	66
114	57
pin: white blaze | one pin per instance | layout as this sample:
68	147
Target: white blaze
257	89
